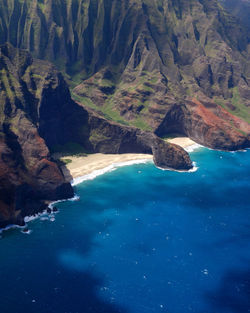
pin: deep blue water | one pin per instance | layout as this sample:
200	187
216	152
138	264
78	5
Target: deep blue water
140	240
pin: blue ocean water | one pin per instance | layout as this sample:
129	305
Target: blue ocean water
140	240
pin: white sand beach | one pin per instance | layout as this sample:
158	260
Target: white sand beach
184	142
85	165
81	166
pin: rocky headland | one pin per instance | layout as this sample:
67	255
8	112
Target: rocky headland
38	115
137	71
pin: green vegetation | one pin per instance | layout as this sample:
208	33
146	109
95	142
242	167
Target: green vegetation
6	82
97	136
42	6
107	110
111	45
141	123
66	161
142	87
111	113
241	110
62	162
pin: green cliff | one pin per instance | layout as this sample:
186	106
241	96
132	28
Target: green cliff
28	175
37	116
132	59
155	66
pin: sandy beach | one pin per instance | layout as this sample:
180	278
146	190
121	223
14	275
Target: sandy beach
184	142
81	166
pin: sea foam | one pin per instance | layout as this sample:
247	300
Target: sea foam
11	226
52	204
107	169
193	169
92	176
193	147
114	166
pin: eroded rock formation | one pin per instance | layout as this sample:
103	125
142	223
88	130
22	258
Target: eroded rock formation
207	124
27	174
37	113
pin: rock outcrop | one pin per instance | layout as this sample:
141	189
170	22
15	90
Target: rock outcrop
37	114
207	124
155	67
110	137
28	176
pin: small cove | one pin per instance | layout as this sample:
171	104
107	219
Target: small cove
139	240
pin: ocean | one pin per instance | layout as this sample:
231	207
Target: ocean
139	240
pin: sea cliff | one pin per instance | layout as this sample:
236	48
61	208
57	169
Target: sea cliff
37	115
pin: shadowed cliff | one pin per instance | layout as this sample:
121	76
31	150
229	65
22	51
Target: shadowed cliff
239	8
27	174
37	114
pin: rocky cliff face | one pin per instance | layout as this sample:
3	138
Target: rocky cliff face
160	66
207	124
37	113
27	174
239	8
66	121
133	60
110	137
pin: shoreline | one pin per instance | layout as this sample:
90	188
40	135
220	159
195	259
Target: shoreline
78	169
51	217
110	168
96	164
88	167
184	142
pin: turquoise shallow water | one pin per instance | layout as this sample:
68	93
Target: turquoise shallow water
140	240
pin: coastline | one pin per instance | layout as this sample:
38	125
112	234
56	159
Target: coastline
183	142
90	166
93	164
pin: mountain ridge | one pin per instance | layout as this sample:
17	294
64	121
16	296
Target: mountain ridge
137	70
108	47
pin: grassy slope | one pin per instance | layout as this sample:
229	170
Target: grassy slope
84	36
